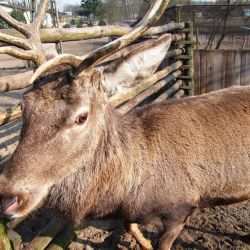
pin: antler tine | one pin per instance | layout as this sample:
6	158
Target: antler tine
93	58
72	60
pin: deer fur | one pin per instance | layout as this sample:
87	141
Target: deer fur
195	152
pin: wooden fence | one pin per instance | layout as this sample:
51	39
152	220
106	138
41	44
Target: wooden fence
217	69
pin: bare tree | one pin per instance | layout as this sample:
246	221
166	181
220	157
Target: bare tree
30	47
223	32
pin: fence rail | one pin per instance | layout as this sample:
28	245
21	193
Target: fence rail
217	69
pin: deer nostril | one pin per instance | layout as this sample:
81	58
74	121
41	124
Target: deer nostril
9	206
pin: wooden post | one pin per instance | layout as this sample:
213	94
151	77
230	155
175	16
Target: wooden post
197	37
177	14
189	51
42	240
33	9
55	19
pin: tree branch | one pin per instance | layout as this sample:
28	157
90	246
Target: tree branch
14	82
21	27
169	92
31	32
165	83
10	114
18	53
16	41
40	14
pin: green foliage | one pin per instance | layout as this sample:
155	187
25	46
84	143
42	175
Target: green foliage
90	23
101	10
102	22
3	25
72	21
90	6
18	15
66	25
80	24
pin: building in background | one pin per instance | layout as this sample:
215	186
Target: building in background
47	22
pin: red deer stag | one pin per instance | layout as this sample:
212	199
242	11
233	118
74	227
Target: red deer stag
86	158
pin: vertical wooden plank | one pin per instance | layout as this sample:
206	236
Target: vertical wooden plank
245	67
219	69
197	77
203	71
233	65
210	71
215	70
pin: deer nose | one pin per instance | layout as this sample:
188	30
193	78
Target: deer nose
9	206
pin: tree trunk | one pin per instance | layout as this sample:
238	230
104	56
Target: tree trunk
223	34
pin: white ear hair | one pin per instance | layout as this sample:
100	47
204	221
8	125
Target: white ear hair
138	64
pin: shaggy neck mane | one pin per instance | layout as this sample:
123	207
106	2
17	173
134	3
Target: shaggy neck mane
95	188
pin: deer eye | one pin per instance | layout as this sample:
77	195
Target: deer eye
81	119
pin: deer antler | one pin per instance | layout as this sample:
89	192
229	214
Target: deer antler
93	58
31	47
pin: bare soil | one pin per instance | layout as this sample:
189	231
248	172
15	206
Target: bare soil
216	228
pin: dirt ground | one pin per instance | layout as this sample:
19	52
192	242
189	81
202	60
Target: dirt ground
216	228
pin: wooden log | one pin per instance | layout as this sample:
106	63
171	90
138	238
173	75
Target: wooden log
144	84
62	240
178	37
15	82
150	91
41	241
179	94
174	52
15	238
64	35
4	240
10	114
169	92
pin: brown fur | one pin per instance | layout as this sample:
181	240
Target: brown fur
195	152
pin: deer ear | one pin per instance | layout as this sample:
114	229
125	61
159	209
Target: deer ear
138	64
96	89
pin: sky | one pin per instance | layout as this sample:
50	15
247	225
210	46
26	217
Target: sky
61	3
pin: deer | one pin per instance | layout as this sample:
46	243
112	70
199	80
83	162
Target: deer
81	156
